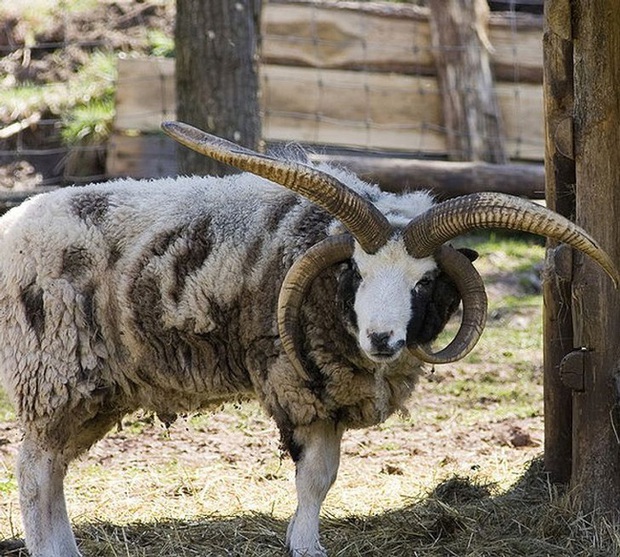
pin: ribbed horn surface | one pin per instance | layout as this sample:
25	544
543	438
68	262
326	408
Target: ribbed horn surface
477	211
319	257
361	218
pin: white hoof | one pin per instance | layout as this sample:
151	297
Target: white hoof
303	542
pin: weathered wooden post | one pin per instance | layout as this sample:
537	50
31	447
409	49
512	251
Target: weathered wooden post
596	305
461	49
560	196
588	133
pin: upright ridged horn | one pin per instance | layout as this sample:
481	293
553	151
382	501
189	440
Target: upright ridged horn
457	216
360	217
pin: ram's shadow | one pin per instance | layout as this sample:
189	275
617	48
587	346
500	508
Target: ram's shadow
459	518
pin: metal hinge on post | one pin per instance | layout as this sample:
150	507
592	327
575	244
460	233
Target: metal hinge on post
614	413
573	368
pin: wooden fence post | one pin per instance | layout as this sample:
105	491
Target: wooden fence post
560	196
596	304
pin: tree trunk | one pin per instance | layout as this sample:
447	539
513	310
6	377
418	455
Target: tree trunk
217	43
471	112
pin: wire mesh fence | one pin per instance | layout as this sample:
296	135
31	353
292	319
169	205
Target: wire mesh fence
84	86
58	79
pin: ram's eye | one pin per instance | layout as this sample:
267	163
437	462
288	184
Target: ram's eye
424	282
348	283
347	287
354	271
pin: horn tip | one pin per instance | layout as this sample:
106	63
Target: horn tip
173	127
611	270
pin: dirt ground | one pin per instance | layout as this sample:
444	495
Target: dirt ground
423	445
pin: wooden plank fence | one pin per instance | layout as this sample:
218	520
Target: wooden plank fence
346	75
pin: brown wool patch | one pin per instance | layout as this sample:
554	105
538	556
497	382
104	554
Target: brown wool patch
91	206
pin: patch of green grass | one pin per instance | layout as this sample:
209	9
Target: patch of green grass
7	412
160	44
503	374
88	120
92	82
505	251
24	100
8	481
85	103
475	397
90	123
512	244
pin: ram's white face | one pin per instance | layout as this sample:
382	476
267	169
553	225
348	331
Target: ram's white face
383	299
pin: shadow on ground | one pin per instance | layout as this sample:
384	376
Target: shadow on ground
459	518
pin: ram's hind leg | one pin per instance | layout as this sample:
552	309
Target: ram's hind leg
41	468
40	474
317	460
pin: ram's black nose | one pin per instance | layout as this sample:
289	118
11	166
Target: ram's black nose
380	341
384	345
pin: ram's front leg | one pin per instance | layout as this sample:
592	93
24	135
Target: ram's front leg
316	469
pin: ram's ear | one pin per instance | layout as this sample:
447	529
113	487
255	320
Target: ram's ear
348	283
471	254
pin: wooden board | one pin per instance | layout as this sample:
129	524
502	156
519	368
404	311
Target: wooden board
337	107
517	54
145	93
325	36
396	37
404	113
141	156
522	112
359	109
384	111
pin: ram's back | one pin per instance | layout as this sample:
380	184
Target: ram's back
158	295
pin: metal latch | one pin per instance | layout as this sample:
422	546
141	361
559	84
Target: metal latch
573	368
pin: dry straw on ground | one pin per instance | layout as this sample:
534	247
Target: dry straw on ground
459	518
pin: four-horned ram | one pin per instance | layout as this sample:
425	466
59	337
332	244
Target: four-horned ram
320	298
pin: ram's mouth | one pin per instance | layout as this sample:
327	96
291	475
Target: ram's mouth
385	356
